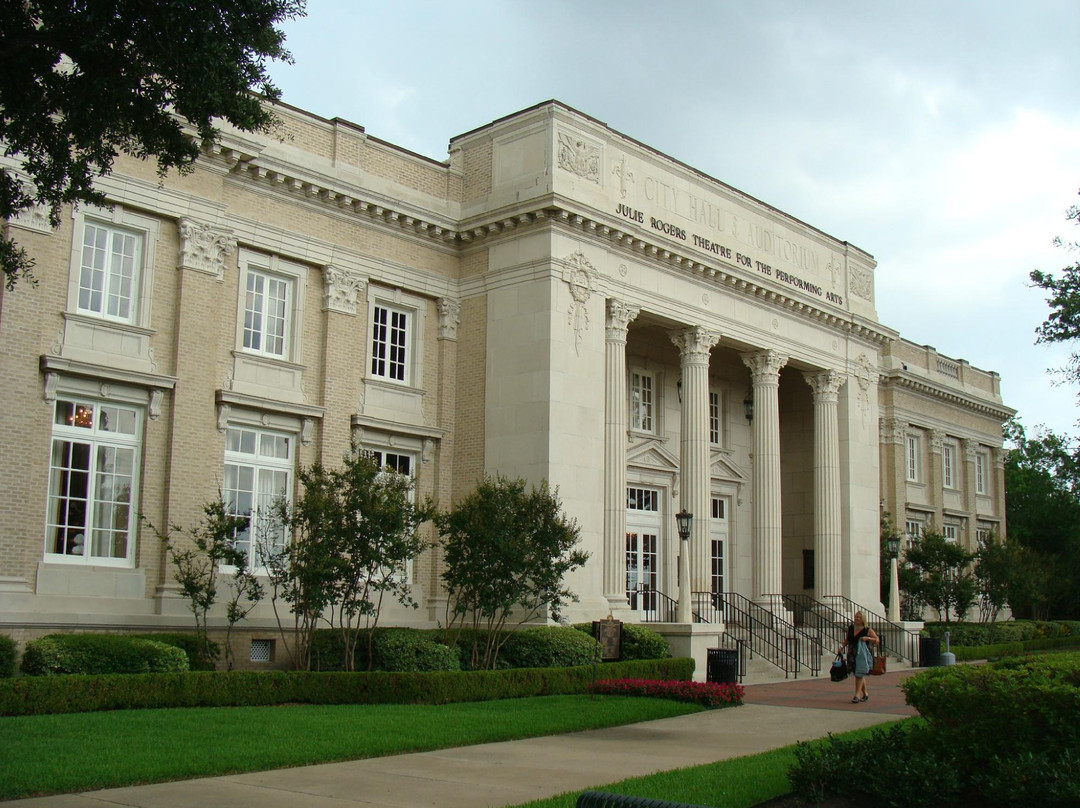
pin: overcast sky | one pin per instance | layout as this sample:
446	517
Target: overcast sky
941	137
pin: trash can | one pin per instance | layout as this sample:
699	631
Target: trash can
722	665
929	652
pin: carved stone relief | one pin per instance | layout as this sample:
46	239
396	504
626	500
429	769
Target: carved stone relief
862	283
579	157
625	175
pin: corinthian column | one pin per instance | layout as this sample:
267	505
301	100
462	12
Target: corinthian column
827	552
694	345
619	316
767	540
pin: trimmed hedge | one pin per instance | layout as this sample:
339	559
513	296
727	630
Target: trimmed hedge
971	634
100	654
964	653
34	695
8	654
393	649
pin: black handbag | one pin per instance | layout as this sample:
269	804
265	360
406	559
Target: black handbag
838	672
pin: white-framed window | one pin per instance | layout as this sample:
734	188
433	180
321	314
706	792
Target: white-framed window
950	532
93	481
948	465
258	472
913	529
718	532
983	534
267	302
716	434
393	461
642	401
112	262
981	465
270	305
913	458
390	339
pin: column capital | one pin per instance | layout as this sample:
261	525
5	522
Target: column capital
970	448
449	317
619	315
342	289
204	247
695	343
764	365
826	384
892	430
937	438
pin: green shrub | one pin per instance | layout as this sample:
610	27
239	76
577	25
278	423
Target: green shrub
393	649
407	649
1002	734
190	645
548	647
35	695
641	642
8	653
100	654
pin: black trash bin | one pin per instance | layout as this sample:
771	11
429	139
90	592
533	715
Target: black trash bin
929	652
722	665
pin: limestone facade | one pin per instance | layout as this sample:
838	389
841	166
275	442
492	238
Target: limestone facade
556	300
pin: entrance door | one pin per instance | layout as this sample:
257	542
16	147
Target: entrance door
642	550
718	534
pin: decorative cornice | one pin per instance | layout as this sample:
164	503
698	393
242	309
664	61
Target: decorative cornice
391	213
917	385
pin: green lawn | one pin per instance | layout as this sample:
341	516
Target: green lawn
58	753
736	783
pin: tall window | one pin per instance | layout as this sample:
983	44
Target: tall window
950	532
714	418
390	347
718	533
258	471
267	306
914	529
980	473
912	458
109	272
948	465
642	402
92	477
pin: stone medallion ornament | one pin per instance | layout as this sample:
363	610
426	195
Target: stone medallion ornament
581	277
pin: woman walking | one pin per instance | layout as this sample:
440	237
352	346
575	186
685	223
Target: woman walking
860	657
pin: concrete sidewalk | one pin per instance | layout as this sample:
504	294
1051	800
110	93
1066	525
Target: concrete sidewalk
513	772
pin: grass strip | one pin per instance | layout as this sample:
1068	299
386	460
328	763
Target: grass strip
735	783
52	754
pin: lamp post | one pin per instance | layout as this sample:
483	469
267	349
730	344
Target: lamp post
684	520
893	543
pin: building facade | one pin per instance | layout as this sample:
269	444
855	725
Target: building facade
555	301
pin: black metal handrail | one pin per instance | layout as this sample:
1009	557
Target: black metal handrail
895	639
760	631
817	617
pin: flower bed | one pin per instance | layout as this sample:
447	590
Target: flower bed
708	694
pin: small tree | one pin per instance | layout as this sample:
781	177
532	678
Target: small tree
943	581
197	556
506	552
995	566
355	529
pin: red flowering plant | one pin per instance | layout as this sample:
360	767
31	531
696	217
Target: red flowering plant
708	694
